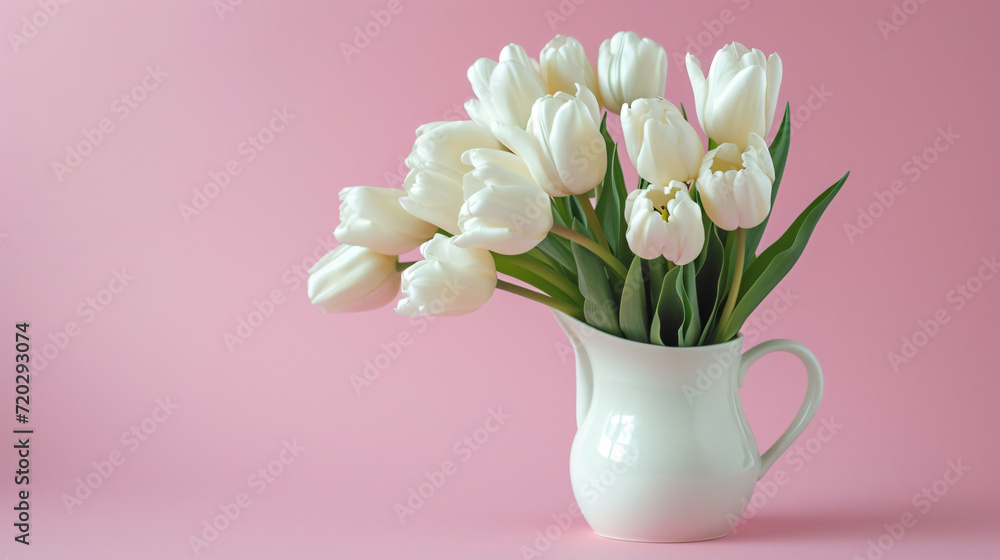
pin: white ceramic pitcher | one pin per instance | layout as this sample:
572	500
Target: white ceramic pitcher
663	451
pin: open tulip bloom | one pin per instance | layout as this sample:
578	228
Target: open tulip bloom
531	189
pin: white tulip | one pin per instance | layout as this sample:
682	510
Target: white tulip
630	68
494	167
434	194
662	145
373	217
505	89
504	211
351	278
564	64
740	94
735	186
562	146
434	185
444	142
450	281
663	221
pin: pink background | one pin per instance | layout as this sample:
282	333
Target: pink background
162	335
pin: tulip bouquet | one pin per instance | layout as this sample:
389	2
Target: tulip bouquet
532	188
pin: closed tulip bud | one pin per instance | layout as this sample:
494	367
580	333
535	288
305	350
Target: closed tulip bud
739	95
630	68
564	64
434	194
373	217
504	211
351	278
662	145
562	145
444	142
505	89
735	186
663	221
450	281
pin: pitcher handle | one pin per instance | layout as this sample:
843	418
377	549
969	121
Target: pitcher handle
814	391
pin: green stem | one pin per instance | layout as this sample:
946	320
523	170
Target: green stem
605	255
566	308
533	265
592	221
734	290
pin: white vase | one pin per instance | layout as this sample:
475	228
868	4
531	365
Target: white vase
663	451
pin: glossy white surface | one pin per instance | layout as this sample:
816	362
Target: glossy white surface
663	451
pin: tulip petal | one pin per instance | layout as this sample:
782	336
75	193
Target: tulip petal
700	87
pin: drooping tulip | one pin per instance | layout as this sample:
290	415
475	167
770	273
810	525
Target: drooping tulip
449	281
739	95
562	145
630	68
351	278
735	185
564	64
373	217
505	89
434	194
662	145
504	211
664	221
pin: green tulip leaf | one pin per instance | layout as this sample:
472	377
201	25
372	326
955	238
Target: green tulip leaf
558	250
599	307
767	270
656	270
610	207
690	329
708	276
633	317
669	315
726	262
512	265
